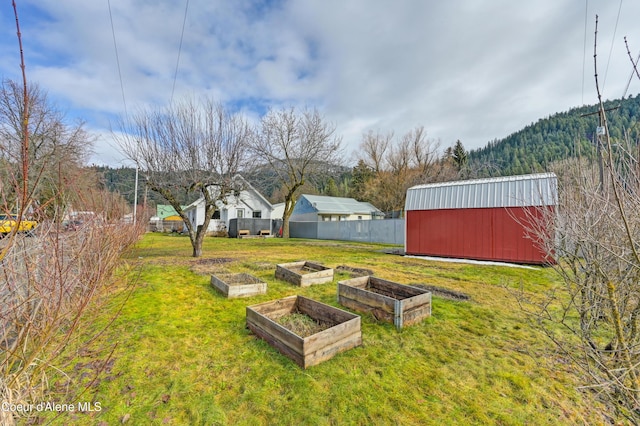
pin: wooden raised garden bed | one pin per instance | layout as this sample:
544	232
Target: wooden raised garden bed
304	273
388	301
238	285
273	321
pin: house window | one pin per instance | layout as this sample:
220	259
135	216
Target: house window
257	215
240	213
216	214
359	217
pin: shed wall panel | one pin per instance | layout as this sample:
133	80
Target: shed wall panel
499	234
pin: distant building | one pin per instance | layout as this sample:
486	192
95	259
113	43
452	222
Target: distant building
278	211
166	219
167	212
248	203
319	208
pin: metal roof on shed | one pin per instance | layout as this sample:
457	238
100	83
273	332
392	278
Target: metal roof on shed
511	191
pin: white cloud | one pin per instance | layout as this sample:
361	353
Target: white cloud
463	69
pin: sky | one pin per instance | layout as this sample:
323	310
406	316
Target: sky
468	70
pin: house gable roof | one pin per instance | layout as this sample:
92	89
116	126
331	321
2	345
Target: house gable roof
247	187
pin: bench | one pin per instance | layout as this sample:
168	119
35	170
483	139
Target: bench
242	232
264	232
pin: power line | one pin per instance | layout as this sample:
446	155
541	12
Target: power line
175	75
115	45
613	39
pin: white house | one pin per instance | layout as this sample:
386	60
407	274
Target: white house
278	211
248	203
317	208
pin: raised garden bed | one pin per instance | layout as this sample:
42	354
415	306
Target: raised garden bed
304	273
388	301
238	285
332	330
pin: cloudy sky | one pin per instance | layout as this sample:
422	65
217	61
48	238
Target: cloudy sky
464	69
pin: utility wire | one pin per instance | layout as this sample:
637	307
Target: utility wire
175	75
115	46
613	39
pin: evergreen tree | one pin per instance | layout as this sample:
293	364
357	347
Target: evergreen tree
360	175
459	155
331	189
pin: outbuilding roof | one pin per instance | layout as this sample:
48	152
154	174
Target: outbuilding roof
339	205
540	189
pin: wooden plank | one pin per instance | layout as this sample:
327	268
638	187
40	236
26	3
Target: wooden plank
358	282
247	290
292	265
275	330
388	288
283	273
326	337
277	344
347	342
323	312
377	313
419	300
276	308
416	315
221	286
316	278
315	266
368	298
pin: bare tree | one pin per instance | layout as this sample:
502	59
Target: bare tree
374	147
55	152
191	147
298	146
397	165
597	246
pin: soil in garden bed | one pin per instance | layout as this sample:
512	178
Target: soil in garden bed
242	280
302	324
385	292
303	270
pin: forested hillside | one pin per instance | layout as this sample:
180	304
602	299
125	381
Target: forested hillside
554	138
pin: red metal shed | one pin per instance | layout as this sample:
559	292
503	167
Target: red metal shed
483	219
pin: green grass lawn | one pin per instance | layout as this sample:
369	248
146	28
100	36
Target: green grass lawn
184	356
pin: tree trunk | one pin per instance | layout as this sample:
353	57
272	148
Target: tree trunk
286	215
197	242
285	226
